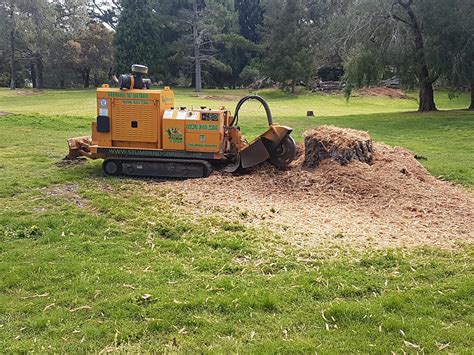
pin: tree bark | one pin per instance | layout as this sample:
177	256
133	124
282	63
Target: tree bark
425	81
39	72
12	48
33	75
197	49
426	103
472	96
86	75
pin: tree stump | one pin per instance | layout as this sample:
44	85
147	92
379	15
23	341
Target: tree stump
341	144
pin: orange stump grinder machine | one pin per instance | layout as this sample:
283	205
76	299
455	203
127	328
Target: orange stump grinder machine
140	132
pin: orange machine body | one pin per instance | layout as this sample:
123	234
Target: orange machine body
140	132
146	123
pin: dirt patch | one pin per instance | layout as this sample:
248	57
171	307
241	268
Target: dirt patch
383	92
69	192
27	92
219	98
66	162
2	113
394	202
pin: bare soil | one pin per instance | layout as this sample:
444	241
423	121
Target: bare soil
394	202
383	92
2	113
232	98
27	92
69	192
66	162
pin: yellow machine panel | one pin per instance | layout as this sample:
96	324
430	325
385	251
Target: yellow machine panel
206	133
131	118
135	121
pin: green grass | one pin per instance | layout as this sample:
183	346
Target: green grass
215	285
445	137
82	102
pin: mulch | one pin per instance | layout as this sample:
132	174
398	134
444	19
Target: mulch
391	202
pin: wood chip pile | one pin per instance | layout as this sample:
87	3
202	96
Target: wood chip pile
391	202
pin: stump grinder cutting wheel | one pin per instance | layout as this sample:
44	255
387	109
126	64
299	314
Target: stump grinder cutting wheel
139	132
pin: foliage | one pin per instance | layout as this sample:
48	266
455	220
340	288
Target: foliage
221	43
419	41
135	39
289	49
92	53
105	11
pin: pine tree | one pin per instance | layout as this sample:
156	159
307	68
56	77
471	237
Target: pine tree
250	18
288	41
136	37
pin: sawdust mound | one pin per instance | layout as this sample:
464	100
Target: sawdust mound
392	202
342	145
383	92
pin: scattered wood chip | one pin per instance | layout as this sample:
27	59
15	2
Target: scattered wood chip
411	345
36	296
48	307
442	346
80	309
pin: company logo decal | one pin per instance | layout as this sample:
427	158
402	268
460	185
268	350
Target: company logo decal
175	135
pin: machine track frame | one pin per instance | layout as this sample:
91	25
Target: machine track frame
157	168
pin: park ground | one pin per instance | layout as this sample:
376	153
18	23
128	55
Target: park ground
90	263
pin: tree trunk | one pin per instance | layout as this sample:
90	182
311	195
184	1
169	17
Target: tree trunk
86	75
472	96
425	81
39	72
197	49
293	86
33	75
426	97
12	49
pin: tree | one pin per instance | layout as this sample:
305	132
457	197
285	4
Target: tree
206	25
397	37
105	11
92	53
422	71
288	40
250	19
136	39
454	43
12	44
8	26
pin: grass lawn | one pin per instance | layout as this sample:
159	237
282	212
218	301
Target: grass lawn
90	263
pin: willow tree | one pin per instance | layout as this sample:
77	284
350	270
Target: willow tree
396	36
455	43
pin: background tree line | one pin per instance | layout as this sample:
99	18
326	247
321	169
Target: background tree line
232	43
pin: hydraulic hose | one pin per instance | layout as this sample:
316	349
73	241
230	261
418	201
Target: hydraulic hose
235	121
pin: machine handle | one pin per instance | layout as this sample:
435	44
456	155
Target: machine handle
235	121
